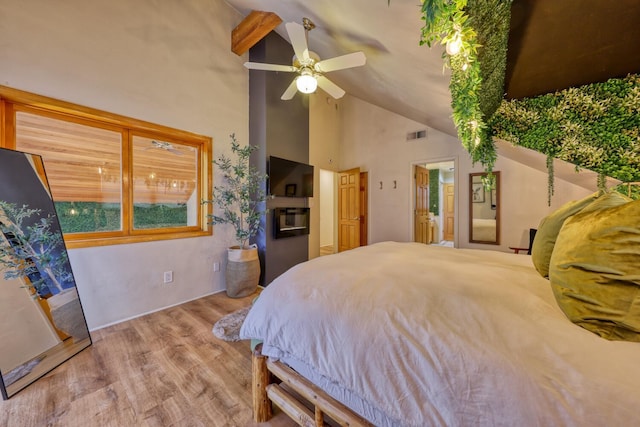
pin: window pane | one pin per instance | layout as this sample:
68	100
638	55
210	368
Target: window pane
83	166
164	184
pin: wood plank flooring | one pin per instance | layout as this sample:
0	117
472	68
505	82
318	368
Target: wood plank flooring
163	369
326	250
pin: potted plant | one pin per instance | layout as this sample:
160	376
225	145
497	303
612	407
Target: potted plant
240	201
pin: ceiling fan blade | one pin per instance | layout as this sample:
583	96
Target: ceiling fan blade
330	87
269	67
350	60
291	90
298	38
163	145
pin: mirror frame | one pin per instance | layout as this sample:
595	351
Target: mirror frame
497	209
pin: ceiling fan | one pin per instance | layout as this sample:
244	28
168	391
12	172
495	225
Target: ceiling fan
164	146
308	65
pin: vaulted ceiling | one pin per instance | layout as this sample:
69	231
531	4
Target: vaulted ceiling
400	75
553	45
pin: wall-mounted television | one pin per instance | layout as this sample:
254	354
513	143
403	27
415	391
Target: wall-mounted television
289	179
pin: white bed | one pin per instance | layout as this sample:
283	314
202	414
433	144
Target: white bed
407	334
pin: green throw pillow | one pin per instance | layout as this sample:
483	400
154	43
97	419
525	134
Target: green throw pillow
595	271
548	232
607	200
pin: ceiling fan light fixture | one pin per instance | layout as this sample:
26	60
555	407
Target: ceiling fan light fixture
308	65
306	83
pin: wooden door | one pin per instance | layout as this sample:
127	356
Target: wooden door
448	211
364	212
422	228
348	209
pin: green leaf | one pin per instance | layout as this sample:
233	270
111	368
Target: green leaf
241	197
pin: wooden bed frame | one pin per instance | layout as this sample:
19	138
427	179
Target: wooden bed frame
304	402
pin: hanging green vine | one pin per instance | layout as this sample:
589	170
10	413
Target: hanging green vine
602	183
475	33
550	180
596	126
629	189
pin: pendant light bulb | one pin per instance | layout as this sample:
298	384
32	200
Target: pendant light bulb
306	83
454	45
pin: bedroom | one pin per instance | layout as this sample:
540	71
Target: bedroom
135	61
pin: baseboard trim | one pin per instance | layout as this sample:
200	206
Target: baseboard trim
153	311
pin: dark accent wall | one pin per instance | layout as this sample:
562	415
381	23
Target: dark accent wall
279	128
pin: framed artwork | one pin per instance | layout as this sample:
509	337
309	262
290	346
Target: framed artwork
477	192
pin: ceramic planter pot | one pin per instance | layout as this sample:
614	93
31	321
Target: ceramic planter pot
243	271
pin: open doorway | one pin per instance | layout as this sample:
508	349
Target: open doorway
434	203
328	208
343	210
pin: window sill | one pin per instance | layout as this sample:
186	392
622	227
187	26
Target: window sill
124	240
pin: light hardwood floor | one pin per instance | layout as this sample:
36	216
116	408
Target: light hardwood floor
163	369
326	250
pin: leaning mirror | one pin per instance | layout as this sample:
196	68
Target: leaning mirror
484	210
41	319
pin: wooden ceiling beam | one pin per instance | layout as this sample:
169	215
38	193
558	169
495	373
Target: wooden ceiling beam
252	29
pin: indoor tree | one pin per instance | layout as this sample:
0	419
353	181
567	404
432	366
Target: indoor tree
33	251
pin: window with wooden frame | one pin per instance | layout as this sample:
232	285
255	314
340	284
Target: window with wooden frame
113	179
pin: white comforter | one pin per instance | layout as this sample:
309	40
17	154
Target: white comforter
417	335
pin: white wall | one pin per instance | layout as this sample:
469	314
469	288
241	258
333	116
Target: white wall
167	62
374	139
325	140
524	200
24	328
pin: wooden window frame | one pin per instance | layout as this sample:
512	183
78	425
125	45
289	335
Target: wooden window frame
13	100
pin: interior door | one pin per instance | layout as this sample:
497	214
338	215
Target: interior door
422	228
364	212
348	209
449	211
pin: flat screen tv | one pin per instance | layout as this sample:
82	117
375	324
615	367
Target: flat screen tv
289	179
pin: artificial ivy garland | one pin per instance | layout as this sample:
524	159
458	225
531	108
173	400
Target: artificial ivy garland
475	33
596	126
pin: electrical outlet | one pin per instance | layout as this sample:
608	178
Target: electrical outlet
168	276
216	266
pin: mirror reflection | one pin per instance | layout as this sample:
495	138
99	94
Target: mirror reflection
434	203
41	320
484	210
